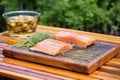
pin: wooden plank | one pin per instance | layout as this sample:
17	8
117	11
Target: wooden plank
3	40
1	49
17	76
118	56
3	44
10	40
69	61
31	72
104	76
98	74
48	69
115	62
1	57
112	70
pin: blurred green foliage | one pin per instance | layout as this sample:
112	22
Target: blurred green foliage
74	14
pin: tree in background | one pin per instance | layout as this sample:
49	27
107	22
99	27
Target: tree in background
90	15
2	22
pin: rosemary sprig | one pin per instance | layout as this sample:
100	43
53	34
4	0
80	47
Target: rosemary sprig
31	41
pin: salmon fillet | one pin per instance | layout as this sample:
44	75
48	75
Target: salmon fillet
78	39
51	47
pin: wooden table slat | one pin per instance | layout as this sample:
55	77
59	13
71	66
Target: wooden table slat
102	73
111	70
17	76
114	63
118	56
31	72
47	69
104	76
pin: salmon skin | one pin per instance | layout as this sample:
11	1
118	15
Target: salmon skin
81	40
51	47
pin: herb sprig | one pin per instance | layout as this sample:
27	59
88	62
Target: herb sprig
31	41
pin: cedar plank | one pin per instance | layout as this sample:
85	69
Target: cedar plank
37	58
56	62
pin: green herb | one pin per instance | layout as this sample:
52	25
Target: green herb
31	41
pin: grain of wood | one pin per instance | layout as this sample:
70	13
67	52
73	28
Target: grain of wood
102	77
111	70
115	62
17	76
109	75
48	69
31	72
1	59
118	56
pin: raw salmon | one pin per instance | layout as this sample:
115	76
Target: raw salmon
51	47
78	39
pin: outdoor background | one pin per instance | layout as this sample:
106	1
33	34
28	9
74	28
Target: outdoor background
100	16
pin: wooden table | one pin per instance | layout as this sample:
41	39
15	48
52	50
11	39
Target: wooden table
23	70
